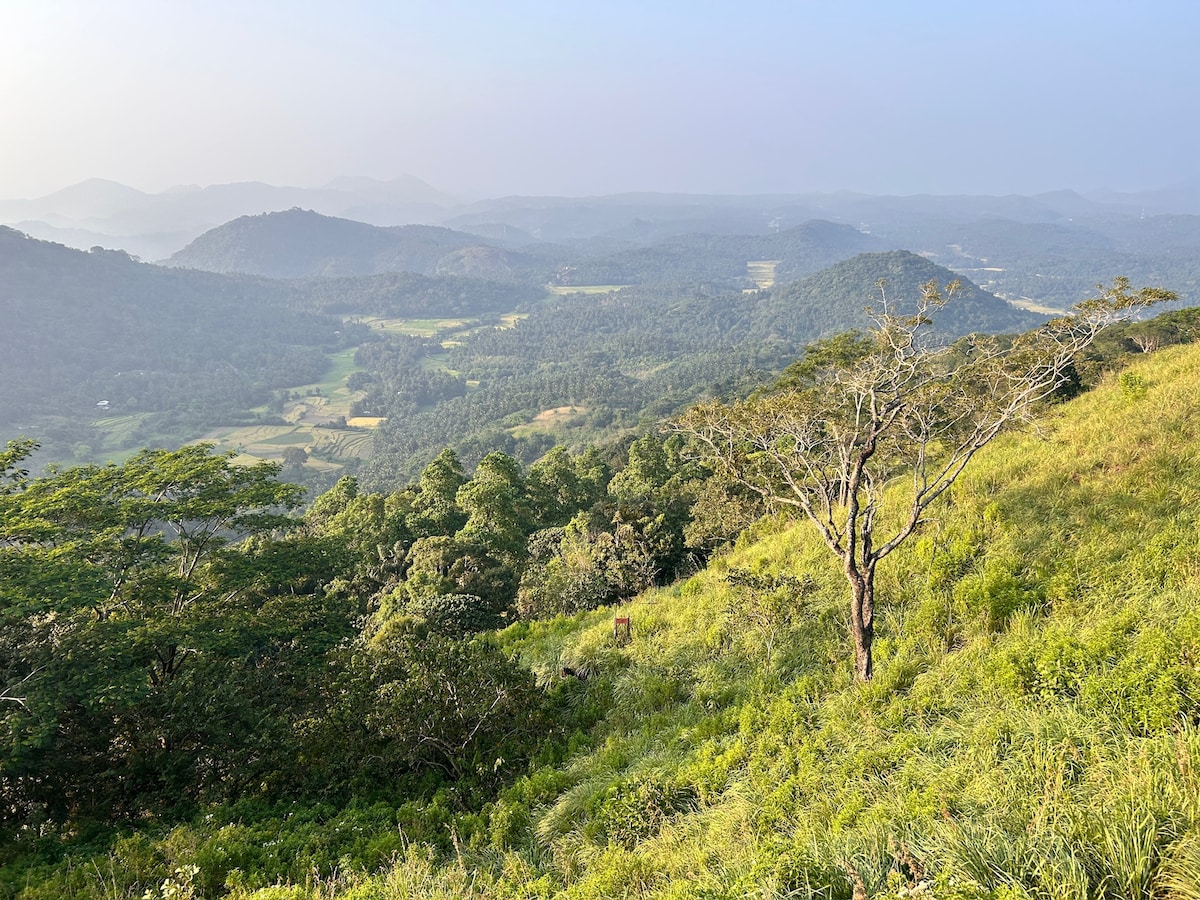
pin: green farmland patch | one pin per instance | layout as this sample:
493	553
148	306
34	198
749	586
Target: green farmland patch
119	430
417	327
561	289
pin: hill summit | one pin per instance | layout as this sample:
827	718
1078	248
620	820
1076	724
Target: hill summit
298	243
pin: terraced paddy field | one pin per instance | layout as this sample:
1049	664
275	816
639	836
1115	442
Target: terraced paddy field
270	441
318	422
119	430
762	272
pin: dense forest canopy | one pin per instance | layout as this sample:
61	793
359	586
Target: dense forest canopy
86	328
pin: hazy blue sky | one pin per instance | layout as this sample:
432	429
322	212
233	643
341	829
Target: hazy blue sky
564	97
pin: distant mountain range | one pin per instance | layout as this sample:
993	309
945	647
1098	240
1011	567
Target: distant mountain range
154	226
302	243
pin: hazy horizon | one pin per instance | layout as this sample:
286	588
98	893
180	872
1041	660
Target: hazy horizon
536	98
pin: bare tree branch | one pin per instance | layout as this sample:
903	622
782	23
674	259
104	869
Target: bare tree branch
7	694
895	405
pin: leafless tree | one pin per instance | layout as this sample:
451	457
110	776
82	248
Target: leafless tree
892	415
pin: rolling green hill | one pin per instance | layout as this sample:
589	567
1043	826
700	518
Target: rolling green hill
628	358
300	243
721	258
834	298
100	333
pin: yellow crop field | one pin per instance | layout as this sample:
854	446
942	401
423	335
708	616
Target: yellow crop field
342	444
269	441
762	272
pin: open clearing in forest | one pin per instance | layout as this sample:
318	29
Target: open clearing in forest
561	289
1035	306
453	330
762	272
416	327
317	416
316	420
549	419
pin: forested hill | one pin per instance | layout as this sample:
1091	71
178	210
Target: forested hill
407	294
834	298
179	351
584	367
82	328
300	243
722	258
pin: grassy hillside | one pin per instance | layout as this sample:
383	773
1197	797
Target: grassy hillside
1032	731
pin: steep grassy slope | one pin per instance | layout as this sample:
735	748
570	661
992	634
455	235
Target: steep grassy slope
1032	731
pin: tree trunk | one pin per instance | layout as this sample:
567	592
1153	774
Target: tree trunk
862	621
